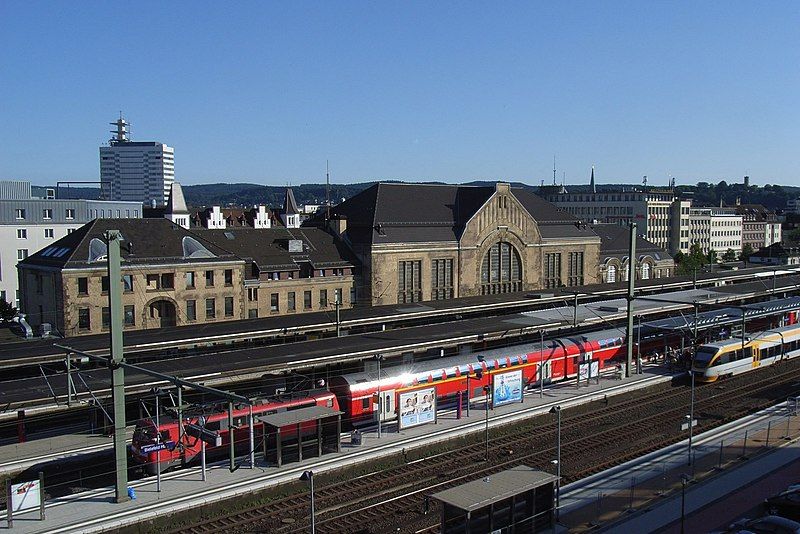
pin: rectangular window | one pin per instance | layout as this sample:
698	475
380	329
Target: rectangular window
228	306
190	280
552	270
20	213
409	283
209	278
22	233
252	313
307	300
290	303
47	213
441	279
323	298
84	321
575	274
211	309
49	233
83	286
129	315
152	282
228	277
104	284
70	214
168	281
22	253
273	302
252	294
191	310
106	317
127	283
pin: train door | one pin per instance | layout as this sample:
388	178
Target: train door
388	405
547	372
756	356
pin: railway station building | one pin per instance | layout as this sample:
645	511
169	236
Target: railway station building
651	260
418	242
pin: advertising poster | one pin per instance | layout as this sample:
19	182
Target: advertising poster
507	388
25	496
417	407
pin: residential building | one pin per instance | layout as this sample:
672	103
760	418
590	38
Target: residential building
135	171
418	242
760	226
651	260
716	229
28	224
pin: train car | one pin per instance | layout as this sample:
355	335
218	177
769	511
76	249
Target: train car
182	451
560	359
727	357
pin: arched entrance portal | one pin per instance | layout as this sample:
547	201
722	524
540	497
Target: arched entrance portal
162	312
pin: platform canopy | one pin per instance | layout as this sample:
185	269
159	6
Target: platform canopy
494	488
301	415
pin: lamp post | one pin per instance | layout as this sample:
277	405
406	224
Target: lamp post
691	373
487	389
308	476
557	410
378	358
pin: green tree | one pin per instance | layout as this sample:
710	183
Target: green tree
7	311
712	256
730	255
747	251
694	261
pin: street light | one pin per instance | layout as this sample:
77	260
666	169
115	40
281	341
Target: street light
557	410
378	358
308	476
487	389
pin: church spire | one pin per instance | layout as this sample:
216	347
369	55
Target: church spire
591	182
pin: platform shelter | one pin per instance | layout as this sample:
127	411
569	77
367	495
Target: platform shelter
512	501
313	426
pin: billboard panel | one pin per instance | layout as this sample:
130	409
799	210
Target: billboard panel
26	495
507	388
417	407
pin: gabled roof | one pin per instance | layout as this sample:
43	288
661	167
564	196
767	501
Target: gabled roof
615	243
144	241
268	248
401	213
289	204
176	204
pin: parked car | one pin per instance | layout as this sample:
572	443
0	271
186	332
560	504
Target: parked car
769	524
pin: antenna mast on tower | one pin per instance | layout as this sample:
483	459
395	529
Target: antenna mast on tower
554	170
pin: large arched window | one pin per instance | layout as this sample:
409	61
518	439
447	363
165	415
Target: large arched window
645	271
611	274
501	270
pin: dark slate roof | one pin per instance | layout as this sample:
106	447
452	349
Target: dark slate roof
144	241
409	213
777	250
268	248
615	243
289	204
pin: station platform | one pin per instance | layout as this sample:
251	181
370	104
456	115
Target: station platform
94	511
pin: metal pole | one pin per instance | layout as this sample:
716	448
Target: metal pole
575	311
202	422
691	373
744	445
743	329
338	322
113	238
639	345
769	427
486	390
630	297
541	365
558	460
180	417
380	411
469	394
252	438
313	511
69	379
231	438
158	443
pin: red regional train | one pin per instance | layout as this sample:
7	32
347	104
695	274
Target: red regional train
560	359
354	394
177	454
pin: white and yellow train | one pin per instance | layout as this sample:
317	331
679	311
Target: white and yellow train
726	358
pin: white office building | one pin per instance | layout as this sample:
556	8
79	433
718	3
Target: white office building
716	229
135	171
29	224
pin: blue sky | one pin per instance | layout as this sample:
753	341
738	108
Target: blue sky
265	92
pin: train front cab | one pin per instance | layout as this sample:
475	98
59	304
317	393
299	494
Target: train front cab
704	362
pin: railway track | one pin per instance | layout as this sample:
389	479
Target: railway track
592	440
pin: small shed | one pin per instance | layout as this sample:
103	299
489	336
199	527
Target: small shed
313	425
516	500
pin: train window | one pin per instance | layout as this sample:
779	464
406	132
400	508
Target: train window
165	435
748	352
213	425
365	403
